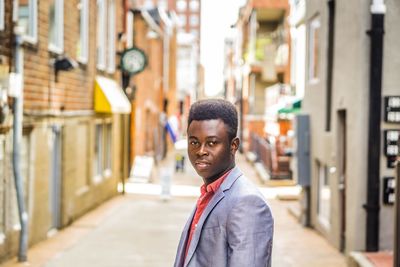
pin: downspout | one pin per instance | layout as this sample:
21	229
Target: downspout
329	78
17	136
372	206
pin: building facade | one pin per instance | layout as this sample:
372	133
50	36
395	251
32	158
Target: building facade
73	149
261	70
351	136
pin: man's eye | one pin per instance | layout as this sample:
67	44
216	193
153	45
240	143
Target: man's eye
211	143
193	143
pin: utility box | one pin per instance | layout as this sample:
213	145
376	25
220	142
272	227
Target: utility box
302	149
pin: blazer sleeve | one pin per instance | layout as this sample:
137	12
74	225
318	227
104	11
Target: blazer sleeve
250	229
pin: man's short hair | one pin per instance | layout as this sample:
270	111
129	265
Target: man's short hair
213	109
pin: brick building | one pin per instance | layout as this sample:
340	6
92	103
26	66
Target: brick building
153	32
74	125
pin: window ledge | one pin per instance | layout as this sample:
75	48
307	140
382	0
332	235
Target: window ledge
82	60
97	179
107	173
55	49
313	81
30	40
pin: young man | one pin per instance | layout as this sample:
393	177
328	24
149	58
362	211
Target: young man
231	225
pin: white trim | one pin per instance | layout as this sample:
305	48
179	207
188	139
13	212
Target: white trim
2	17
101	43
129	29
314	26
58	45
84	32
150	21
111	37
378	7
32	22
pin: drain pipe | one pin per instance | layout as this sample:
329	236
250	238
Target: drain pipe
17	136
372	206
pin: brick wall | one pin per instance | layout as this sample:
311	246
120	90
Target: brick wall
74	89
5	35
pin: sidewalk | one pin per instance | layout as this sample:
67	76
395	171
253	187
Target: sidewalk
142	230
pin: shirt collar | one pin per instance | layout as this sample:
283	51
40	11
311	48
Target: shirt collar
214	186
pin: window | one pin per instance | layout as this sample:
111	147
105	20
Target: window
101	34
111	37
82	49
2	15
98	153
313	50
194	20
106	35
56	26
2	186
148	4
27	19
194	5
102	166
163	4
324	195
195	33
181	5
108	149
129	29
182	19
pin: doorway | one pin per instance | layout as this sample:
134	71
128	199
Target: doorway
55	177
342	152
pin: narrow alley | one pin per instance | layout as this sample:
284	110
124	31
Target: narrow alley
143	229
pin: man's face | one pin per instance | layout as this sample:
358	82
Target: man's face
210	150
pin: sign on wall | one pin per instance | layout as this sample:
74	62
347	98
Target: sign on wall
391	146
392	109
389	185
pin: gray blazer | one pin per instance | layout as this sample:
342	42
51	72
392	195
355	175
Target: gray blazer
235	229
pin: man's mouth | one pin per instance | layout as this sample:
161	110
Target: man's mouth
202	164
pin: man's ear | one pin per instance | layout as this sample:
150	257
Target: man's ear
235	144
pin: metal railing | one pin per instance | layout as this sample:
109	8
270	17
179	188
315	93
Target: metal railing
276	165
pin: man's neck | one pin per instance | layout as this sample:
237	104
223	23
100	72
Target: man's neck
212	179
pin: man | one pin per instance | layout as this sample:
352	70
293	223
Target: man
231	225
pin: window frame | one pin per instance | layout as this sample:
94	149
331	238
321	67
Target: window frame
194	5
324	204
111	16
2	15
103	151
107	161
83	43
58	45
194	20
3	185
32	22
98	153
181	7
314	50
101	42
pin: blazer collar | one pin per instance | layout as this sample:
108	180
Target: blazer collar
226	185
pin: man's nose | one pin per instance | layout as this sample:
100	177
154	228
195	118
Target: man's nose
202	151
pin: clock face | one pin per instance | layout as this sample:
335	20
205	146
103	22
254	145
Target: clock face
133	61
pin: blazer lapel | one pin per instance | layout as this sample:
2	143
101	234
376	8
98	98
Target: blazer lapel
219	195
184	237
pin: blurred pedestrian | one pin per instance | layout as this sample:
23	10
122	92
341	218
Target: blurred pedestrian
231	224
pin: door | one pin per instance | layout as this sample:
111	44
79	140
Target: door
342	148
55	177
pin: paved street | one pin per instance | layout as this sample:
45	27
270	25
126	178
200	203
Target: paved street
142	230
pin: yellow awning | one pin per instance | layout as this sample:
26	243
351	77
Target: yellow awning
109	97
